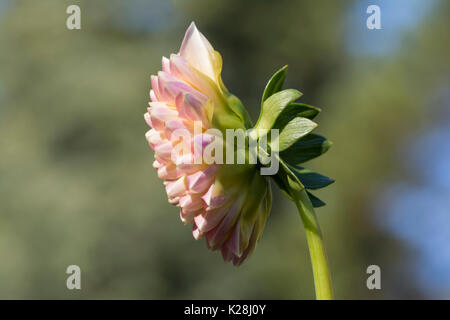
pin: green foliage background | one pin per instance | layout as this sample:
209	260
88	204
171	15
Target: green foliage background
76	181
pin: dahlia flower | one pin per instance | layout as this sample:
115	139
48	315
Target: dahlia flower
227	199
227	204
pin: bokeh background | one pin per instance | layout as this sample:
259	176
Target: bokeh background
77	185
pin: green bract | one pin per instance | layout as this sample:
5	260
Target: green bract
296	143
273	106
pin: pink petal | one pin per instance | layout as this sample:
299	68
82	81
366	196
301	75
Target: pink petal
148	119
187	164
218	235
237	261
176	188
181	128
214	197
162	88
196	233
153	96
168	172
155	89
185	161
160	113
174	200
227	255
187	217
173	86
200	181
153	137
164	150
233	242
209	219
165	64
200	142
181	69
191	203
157	164
192	108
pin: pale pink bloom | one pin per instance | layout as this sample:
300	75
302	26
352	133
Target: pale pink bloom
226	204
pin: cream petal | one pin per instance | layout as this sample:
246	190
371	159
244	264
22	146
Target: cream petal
181	69
197	50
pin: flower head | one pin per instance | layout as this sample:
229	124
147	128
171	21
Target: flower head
227	204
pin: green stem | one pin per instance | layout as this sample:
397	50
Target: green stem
321	271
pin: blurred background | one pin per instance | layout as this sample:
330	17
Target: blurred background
76	179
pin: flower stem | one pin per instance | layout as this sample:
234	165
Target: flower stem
321	270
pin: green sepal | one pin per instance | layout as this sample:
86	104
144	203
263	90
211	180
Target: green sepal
290	132
238	108
294	122
293	110
272	108
296	143
303	110
307	148
290	182
274	84
293	179
280	180
316	202
311	179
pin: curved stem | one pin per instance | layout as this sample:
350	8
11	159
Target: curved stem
321	270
